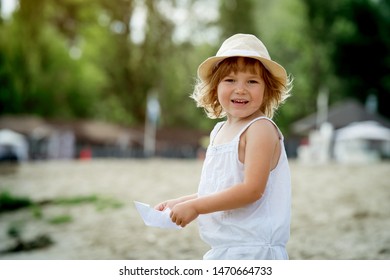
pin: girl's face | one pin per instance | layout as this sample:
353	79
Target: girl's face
241	94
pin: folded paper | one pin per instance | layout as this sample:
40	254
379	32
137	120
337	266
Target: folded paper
155	218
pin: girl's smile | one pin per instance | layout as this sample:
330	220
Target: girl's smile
240	101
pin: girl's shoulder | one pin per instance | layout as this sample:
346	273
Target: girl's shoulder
263	127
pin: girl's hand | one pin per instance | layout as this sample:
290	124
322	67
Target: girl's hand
183	213
167	204
172	202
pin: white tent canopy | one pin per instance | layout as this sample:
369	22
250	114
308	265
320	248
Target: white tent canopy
16	141
363	142
368	130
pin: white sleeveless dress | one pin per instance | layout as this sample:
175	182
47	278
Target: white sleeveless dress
257	231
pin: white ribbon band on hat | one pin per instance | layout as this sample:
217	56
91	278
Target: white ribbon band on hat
249	53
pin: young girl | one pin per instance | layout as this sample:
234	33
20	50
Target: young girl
244	195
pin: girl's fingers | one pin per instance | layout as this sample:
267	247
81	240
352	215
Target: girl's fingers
160	207
173	217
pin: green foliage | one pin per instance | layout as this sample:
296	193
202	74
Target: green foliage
101	203
9	202
60	219
354	35
237	16
14	231
42	77
36	211
362	44
106	202
75	200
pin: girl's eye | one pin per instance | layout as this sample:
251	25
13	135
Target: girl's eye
253	82
229	80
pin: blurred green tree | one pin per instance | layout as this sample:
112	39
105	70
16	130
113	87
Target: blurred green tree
354	36
41	63
361	54
237	16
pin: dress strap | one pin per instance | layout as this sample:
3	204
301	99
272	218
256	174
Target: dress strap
214	132
259	118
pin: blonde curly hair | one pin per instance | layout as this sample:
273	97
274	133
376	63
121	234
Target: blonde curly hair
205	91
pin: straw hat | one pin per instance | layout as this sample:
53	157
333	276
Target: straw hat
244	45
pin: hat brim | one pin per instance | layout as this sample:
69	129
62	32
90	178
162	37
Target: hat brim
273	67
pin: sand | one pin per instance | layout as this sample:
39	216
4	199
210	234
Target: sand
339	211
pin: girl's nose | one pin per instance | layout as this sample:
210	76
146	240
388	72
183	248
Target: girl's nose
240	88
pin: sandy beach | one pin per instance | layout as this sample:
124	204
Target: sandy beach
338	212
